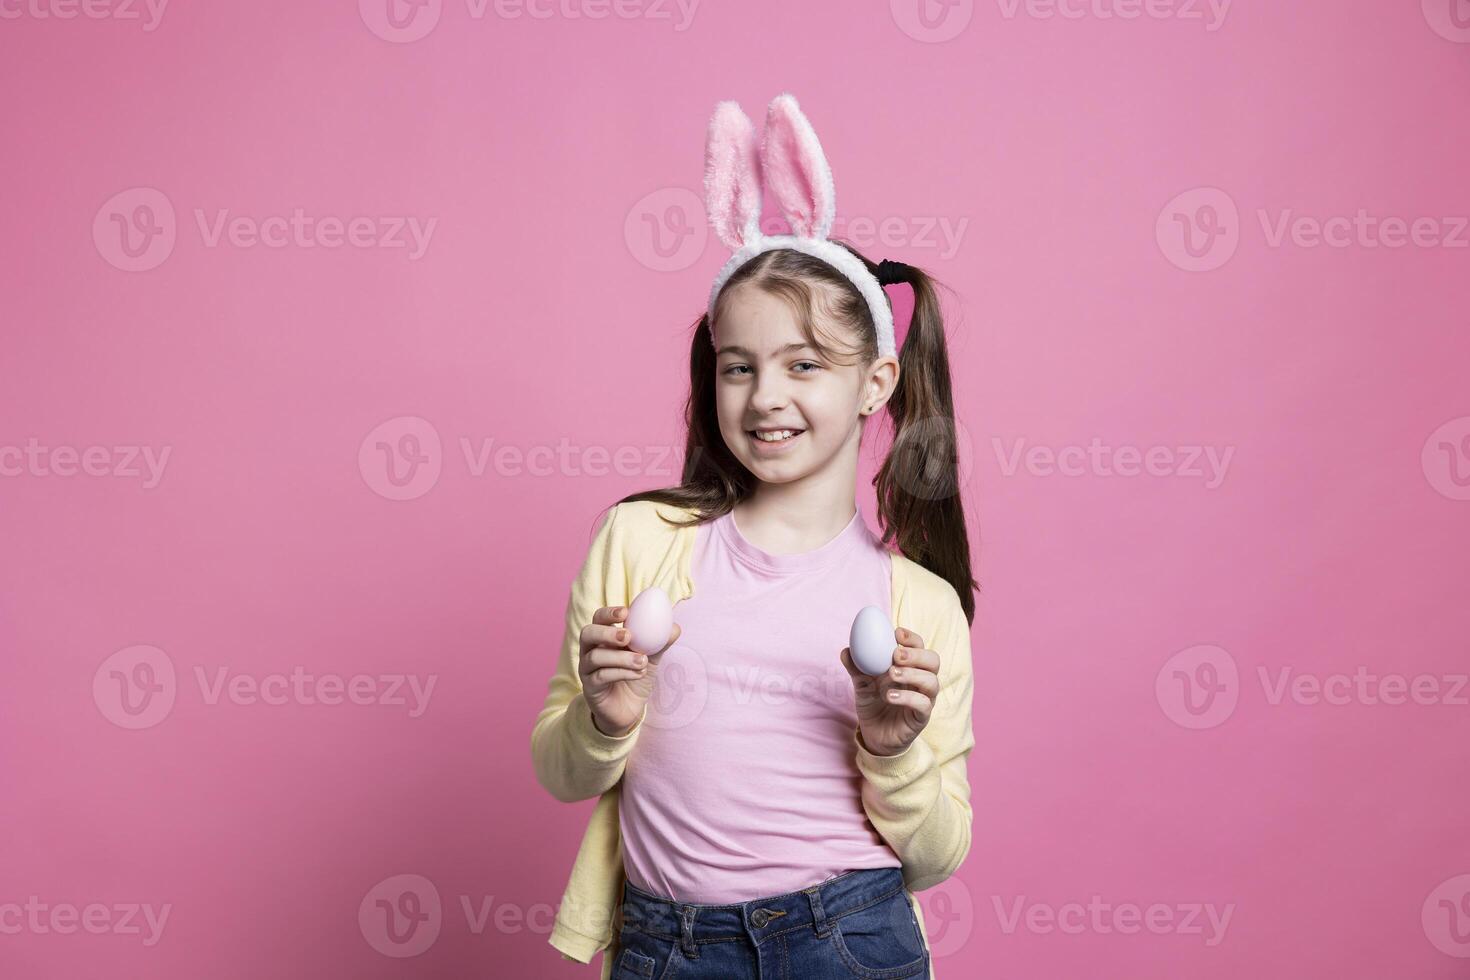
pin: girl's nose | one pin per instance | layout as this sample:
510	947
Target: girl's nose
769	394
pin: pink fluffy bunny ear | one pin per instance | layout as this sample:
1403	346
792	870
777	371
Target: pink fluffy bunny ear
732	184
796	169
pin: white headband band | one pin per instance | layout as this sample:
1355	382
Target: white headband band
791	163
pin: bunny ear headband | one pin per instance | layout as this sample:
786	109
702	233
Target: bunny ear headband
792	163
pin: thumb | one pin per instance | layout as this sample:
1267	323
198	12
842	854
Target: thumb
852	670
654	658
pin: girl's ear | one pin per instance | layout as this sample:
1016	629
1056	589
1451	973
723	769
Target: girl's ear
796	169
732	184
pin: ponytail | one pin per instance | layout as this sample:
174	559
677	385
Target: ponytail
918	486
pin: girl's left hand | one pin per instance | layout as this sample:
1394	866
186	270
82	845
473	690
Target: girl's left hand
894	707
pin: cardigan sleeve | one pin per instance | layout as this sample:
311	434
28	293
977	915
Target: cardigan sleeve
919	800
573	759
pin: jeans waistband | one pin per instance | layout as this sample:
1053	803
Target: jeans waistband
813	907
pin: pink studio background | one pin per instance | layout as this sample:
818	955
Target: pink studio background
1066	155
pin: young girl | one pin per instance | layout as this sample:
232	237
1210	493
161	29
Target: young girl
766	809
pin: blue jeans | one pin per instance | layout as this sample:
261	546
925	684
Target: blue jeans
858	924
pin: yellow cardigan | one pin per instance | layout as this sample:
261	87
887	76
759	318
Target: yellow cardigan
918	800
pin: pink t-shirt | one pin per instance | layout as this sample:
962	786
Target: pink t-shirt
742	782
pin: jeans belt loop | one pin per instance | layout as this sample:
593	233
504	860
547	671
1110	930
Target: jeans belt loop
686	931
819	915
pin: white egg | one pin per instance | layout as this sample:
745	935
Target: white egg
650	620
871	641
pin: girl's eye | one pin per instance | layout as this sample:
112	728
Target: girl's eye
811	364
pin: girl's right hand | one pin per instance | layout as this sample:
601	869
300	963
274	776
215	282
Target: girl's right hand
616	681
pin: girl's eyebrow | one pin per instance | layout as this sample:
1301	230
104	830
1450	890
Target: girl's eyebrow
736	349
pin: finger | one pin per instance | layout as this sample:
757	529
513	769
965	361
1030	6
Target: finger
611	675
594	635
864	687
906	678
920	658
608	615
599	657
908	638
861	679
913	700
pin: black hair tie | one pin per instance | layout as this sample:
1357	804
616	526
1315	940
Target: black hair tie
890	272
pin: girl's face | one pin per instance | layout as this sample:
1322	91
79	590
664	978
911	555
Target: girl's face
768	378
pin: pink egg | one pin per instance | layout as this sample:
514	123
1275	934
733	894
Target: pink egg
650	620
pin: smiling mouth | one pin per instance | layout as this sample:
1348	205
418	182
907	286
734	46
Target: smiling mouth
773	437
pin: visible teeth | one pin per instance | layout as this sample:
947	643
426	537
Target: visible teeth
777	436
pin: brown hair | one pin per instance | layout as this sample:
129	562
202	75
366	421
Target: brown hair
918	489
